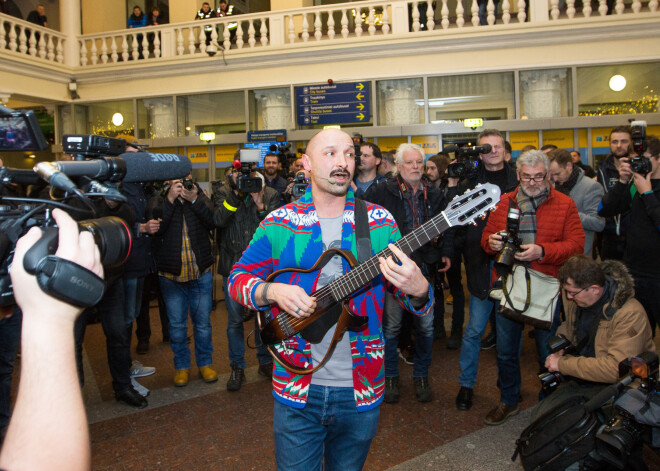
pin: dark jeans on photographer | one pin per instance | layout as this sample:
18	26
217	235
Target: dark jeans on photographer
10	336
143	320
117	336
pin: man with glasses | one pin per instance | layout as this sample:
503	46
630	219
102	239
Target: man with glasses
550	231
605	324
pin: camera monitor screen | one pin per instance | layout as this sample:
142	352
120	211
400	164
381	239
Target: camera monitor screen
20	131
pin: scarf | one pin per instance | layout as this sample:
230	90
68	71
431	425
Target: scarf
568	185
527	205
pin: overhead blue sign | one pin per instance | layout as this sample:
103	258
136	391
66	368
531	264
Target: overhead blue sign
339	103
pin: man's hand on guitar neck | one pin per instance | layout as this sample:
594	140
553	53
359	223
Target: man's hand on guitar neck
406	276
292	299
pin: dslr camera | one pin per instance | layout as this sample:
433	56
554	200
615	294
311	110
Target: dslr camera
551	379
506	257
188	184
248	164
467	162
639	164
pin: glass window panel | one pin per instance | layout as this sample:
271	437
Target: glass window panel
596	89
400	102
454	98
270	109
222	113
156	118
106	119
545	93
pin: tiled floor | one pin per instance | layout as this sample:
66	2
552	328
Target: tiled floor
204	427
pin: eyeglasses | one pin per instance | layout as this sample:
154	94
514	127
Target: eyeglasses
536	178
572	294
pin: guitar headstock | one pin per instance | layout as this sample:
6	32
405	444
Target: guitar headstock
465	208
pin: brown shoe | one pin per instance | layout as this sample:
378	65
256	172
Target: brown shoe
181	377
500	413
208	374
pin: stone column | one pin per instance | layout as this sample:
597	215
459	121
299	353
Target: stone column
161	116
541	93
71	27
400	106
275	108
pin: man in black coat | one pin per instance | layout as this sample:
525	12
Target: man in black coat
412	203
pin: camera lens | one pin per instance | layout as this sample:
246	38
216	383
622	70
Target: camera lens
113	238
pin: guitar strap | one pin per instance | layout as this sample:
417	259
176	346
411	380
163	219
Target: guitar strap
315	331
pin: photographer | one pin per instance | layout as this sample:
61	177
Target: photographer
492	169
237	216
49	430
604	323
550	231
641	254
184	262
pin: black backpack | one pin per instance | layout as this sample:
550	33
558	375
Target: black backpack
562	436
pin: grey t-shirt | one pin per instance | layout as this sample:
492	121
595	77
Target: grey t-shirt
338	370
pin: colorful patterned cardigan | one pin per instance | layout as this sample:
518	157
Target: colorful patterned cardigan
290	237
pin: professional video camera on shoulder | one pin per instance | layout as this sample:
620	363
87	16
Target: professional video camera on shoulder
467	160
639	164
248	164
300	184
283	152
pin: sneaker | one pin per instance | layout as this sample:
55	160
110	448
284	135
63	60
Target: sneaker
266	370
489	341
454	341
392	389
142	391
138	370
407	356
500	413
423	389
236	379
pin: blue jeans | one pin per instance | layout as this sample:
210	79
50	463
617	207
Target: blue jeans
509	343
132	298
392	317
194	297
236	336
10	335
480	310
483	11
329	426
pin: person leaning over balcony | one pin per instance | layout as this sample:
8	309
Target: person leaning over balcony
154	19
138	20
205	13
38	16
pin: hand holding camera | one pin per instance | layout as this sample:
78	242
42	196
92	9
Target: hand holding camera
176	187
188	190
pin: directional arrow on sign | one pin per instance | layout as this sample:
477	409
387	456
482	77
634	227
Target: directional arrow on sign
359	96
360	106
360	86
360	116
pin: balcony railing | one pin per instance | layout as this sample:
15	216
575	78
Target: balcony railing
290	29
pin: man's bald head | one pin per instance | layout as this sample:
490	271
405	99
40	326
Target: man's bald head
321	137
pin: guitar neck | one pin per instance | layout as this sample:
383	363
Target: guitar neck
362	275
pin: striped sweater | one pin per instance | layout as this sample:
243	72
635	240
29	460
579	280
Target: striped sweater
290	237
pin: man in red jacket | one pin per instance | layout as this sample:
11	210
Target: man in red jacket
550	232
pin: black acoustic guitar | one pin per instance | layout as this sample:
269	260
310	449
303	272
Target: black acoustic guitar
331	299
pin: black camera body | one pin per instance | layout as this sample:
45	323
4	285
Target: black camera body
188	184
88	145
506	257
639	164
248	164
300	184
551	380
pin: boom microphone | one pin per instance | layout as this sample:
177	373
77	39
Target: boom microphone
130	167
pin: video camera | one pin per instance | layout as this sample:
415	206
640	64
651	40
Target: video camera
506	257
248	164
112	236
358	141
467	162
639	164
283	152
300	184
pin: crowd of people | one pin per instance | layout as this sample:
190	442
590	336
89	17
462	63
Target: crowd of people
598	237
